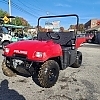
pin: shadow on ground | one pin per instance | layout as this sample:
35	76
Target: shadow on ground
9	94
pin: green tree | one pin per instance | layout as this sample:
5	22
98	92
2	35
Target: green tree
15	21
61	29
72	27
3	13
81	27
20	21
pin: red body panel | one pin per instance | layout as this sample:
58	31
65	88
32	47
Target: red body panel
30	47
80	41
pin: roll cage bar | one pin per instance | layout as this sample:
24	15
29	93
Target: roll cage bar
77	20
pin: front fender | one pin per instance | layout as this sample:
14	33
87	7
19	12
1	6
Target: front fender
54	51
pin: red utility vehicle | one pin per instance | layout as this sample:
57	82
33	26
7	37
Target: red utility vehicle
80	41
42	59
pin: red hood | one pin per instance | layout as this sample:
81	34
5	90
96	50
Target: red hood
29	47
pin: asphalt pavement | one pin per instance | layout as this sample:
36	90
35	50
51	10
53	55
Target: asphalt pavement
73	84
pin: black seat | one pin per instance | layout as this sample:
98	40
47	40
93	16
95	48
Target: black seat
66	38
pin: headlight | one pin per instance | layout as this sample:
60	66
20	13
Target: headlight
39	54
6	50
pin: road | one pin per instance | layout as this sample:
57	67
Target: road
73	84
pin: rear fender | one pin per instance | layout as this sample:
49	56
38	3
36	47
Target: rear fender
80	41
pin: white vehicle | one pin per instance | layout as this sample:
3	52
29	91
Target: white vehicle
5	37
71	30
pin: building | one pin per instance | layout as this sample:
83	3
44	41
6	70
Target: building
92	28
92	24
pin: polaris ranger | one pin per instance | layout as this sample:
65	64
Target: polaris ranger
42	59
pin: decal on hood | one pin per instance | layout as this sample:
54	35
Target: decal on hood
20	51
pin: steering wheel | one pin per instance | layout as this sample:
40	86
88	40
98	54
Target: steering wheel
55	36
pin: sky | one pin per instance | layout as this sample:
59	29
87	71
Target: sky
31	10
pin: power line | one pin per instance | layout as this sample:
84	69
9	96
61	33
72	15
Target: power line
4	1
38	8
21	9
25	11
28	7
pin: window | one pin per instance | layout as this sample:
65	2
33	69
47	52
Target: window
4	30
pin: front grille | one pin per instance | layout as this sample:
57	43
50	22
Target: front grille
20	56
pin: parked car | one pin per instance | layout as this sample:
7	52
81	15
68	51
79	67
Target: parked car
5	37
20	37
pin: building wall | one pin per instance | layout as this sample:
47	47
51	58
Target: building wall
87	25
98	22
91	23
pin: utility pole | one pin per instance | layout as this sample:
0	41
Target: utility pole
9	3
47	22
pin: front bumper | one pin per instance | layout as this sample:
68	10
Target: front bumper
24	67
20	58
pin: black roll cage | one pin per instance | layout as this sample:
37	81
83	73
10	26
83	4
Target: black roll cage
77	20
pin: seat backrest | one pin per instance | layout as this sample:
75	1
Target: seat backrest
65	37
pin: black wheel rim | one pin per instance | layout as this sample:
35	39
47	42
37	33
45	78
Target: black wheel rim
52	74
79	60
